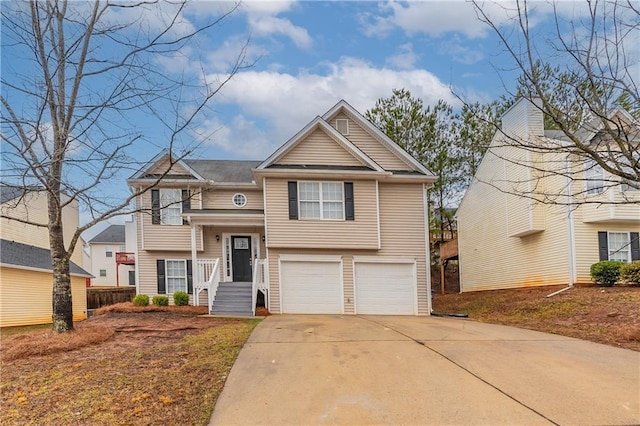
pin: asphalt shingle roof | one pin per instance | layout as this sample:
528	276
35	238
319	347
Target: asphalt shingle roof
229	171
13	253
113	234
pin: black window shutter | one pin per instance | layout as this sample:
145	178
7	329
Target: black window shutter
162	284
635	245
189	277
348	201
186	203
603	245
293	200
155	206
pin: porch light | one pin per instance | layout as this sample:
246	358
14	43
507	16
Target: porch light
263	238
218	238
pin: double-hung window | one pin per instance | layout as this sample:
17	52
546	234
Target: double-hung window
176	273
594	177
170	207
321	200
619	246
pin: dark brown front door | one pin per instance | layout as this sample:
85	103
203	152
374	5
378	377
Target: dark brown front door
241	258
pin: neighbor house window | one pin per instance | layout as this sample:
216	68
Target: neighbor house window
594	177
108	252
103	272
321	200
176	275
619	246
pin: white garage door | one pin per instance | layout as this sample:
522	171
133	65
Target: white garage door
385	288
311	285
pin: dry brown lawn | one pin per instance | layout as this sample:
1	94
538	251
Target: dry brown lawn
125	366
603	315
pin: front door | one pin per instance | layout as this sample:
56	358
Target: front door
241	258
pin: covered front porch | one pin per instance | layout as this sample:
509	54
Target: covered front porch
228	254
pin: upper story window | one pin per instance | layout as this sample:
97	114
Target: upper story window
167	205
321	200
594	177
239	200
108	251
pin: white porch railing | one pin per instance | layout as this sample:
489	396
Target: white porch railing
260	283
207	278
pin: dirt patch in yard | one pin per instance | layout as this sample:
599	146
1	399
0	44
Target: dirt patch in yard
158	367
603	315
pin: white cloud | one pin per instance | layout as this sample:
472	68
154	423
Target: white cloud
404	59
287	102
460	51
269	25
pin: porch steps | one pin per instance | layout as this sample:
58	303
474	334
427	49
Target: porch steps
233	299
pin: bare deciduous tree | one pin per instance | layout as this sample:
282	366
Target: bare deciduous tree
85	83
583	78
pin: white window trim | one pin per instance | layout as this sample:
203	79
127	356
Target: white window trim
177	205
233	200
593	175
627	248
166	274
321	201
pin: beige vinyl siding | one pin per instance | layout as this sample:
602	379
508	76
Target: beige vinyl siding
33	208
148	283
319	149
372	147
403	236
217	198
359	233
617	206
489	257
162	166
586	238
402	229
25	297
164	237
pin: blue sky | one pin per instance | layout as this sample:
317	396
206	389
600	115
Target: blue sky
311	54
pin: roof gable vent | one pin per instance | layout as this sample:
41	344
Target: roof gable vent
342	125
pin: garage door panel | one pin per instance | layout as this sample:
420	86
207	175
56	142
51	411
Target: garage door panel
311	287
385	288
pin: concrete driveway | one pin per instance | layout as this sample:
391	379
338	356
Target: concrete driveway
308	369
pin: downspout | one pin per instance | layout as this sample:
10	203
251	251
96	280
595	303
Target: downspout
570	231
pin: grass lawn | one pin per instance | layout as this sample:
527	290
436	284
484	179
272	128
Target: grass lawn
603	315
127	367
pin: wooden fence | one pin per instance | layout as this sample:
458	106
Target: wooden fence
103	296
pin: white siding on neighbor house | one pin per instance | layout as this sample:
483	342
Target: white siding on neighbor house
361	233
319	149
490	258
373	148
33	208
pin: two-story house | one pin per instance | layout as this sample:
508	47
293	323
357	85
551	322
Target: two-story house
335	221
112	260
26	275
507	238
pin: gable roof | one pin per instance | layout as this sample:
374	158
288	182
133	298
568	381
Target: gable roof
320	123
143	172
344	106
9	192
27	256
112	234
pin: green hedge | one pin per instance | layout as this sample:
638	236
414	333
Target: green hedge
606	273
141	300
630	273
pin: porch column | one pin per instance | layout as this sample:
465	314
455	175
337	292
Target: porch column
195	270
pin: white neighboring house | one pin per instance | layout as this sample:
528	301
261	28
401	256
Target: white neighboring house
109	255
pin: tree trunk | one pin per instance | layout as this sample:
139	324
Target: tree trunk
61	296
